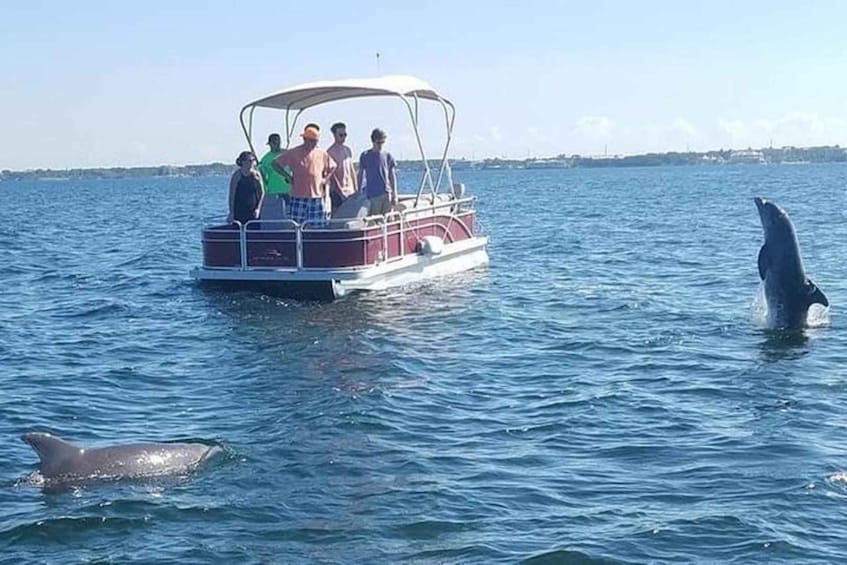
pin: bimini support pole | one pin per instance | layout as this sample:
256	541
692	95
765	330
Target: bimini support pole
248	130
427	175
449	118
290	125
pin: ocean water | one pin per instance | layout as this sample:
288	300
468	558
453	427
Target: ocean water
602	393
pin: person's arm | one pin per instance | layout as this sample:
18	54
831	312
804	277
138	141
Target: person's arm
232	184
258	210
393	174
281	162
263	169
359	172
329	170
355	173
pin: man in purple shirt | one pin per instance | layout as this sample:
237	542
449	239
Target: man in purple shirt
380	176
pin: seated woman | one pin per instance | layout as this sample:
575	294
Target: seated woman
246	190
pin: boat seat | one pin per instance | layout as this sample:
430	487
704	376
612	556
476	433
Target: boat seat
354	207
346	224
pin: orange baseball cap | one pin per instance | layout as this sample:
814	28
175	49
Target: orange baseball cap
311	133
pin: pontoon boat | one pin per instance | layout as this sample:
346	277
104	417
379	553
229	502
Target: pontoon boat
431	233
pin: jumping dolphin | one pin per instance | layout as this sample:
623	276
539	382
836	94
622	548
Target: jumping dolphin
62	460
787	290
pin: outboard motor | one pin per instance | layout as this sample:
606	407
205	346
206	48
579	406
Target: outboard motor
431	245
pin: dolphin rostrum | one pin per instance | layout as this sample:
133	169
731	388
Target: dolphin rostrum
788	291
62	460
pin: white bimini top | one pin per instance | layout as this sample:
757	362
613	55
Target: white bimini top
311	94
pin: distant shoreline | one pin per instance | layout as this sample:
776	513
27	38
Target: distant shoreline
764	156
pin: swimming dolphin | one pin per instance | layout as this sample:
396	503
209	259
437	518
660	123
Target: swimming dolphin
62	460
788	291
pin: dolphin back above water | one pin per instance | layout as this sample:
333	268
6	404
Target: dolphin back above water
788	291
62	460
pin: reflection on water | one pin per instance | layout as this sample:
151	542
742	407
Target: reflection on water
396	307
779	345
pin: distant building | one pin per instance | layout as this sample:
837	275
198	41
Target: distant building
547	164
747	157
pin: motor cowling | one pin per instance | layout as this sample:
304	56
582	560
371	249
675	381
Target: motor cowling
431	245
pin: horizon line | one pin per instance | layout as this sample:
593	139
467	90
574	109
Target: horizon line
463	158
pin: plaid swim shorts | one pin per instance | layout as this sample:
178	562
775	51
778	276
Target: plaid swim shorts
307	209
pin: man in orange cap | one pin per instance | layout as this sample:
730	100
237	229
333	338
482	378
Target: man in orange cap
311	167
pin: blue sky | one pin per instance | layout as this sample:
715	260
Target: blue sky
119	84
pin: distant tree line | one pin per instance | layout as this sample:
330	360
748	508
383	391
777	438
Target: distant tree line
120	172
823	154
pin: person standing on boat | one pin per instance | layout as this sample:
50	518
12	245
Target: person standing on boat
342	184
277	186
380	176
312	168
246	190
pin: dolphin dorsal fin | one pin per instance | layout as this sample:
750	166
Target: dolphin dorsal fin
50	448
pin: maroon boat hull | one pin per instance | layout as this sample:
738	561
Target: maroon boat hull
331	248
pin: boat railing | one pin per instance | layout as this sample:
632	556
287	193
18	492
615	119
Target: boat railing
388	222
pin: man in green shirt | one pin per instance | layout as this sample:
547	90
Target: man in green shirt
277	186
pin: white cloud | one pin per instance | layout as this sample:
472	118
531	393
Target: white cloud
595	126
734	128
799	121
792	128
494	133
673	136
478	145
683	127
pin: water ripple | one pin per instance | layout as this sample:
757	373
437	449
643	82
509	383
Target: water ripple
600	394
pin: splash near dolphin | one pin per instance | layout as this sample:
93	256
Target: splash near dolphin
65	461
788	292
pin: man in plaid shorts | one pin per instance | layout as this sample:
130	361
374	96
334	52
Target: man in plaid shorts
311	168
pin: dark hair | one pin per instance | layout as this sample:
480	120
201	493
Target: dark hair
311	125
337	126
377	135
243	155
